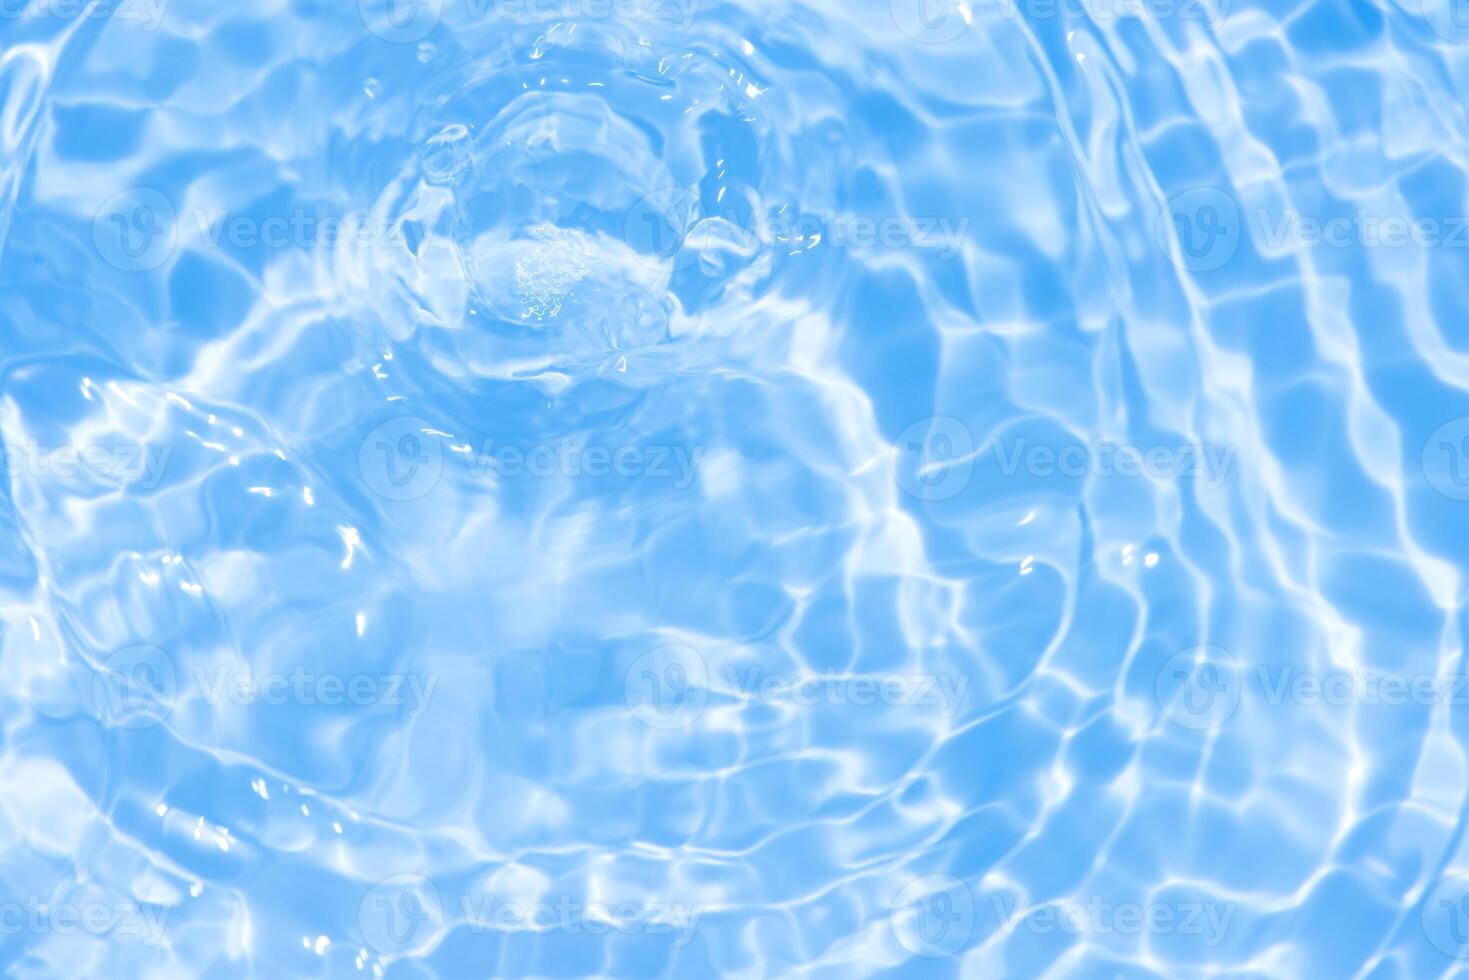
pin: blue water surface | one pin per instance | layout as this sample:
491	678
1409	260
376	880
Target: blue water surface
734	488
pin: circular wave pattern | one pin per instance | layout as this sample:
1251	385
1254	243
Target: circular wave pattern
671	487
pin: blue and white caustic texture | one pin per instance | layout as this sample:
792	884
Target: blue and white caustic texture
734	488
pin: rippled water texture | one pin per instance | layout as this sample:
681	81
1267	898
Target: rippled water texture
685	488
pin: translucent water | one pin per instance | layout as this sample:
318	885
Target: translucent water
691	488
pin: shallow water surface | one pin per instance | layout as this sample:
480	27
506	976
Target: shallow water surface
680	488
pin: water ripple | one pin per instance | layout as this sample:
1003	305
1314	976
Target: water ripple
702	488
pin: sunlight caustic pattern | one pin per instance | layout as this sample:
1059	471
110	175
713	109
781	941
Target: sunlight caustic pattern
668	488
